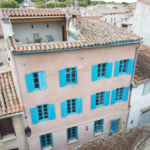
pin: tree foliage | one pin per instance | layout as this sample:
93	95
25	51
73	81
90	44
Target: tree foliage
19	1
9	4
82	4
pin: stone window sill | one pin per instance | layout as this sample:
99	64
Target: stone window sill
8	137
48	148
72	141
97	134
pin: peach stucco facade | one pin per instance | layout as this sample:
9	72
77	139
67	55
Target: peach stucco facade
52	63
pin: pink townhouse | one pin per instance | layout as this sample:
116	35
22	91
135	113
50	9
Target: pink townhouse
74	84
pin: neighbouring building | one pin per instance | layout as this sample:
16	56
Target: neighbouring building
141	22
12	136
139	112
3	54
28	4
75	87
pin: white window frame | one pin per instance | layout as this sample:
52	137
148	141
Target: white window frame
145	87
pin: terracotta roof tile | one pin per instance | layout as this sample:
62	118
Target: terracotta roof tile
47	47
8	97
51	46
144	1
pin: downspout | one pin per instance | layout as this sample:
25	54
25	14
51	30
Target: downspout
26	145
136	54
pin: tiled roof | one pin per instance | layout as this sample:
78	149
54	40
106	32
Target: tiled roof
1	30
142	71
11	12
145	1
8	97
93	32
132	6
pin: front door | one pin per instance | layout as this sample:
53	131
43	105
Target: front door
114	127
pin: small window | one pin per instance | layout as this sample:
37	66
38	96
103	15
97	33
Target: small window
36	80
123	66
146	88
101	70
132	122
114	19
71	75
46	140
100	99
42	112
72	133
98	126
119	94
71	106
105	19
1	64
111	19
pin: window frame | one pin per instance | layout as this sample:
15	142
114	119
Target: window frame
75	138
45	136
101	71
148	82
100	105
41	120
72	113
1	64
71	83
123	73
36	89
119	100
96	122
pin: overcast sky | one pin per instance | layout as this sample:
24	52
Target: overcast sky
120	1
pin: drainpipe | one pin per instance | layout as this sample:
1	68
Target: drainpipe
26	145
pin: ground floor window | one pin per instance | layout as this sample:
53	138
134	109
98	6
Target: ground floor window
72	133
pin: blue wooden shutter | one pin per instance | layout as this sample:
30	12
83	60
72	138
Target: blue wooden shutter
107	97
101	125
51	111
109	70
130	66
126	93
29	82
113	96
51	138
93	101
77	133
34	115
79	105
76	75
67	135
62	77
63	109
116	72
94	72
42	80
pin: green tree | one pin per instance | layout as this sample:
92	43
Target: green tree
9	4
19	1
39	5
81	3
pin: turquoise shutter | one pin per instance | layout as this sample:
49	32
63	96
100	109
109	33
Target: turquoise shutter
131	66
109	70
76	76
77	133
113	97
94	72
29	82
126	93
51	111
101	125
116	72
34	115
107	97
79	105
62	77
51	138
42	80
93	101
63	109
67	136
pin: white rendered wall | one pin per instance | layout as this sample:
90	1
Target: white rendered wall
141	24
24	30
137	102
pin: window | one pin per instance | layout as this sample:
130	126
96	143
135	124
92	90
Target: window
36	81
102	71
124	67
1	64
146	88
46	140
111	19
71	106
72	133
98	126
100	99
42	113
105	19
114	19
6	128
68	76
119	95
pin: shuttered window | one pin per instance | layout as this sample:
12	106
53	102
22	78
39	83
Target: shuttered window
146	88
46	140
70	107
36	81
98	126
42	113
100	99
102	71
72	133
123	67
